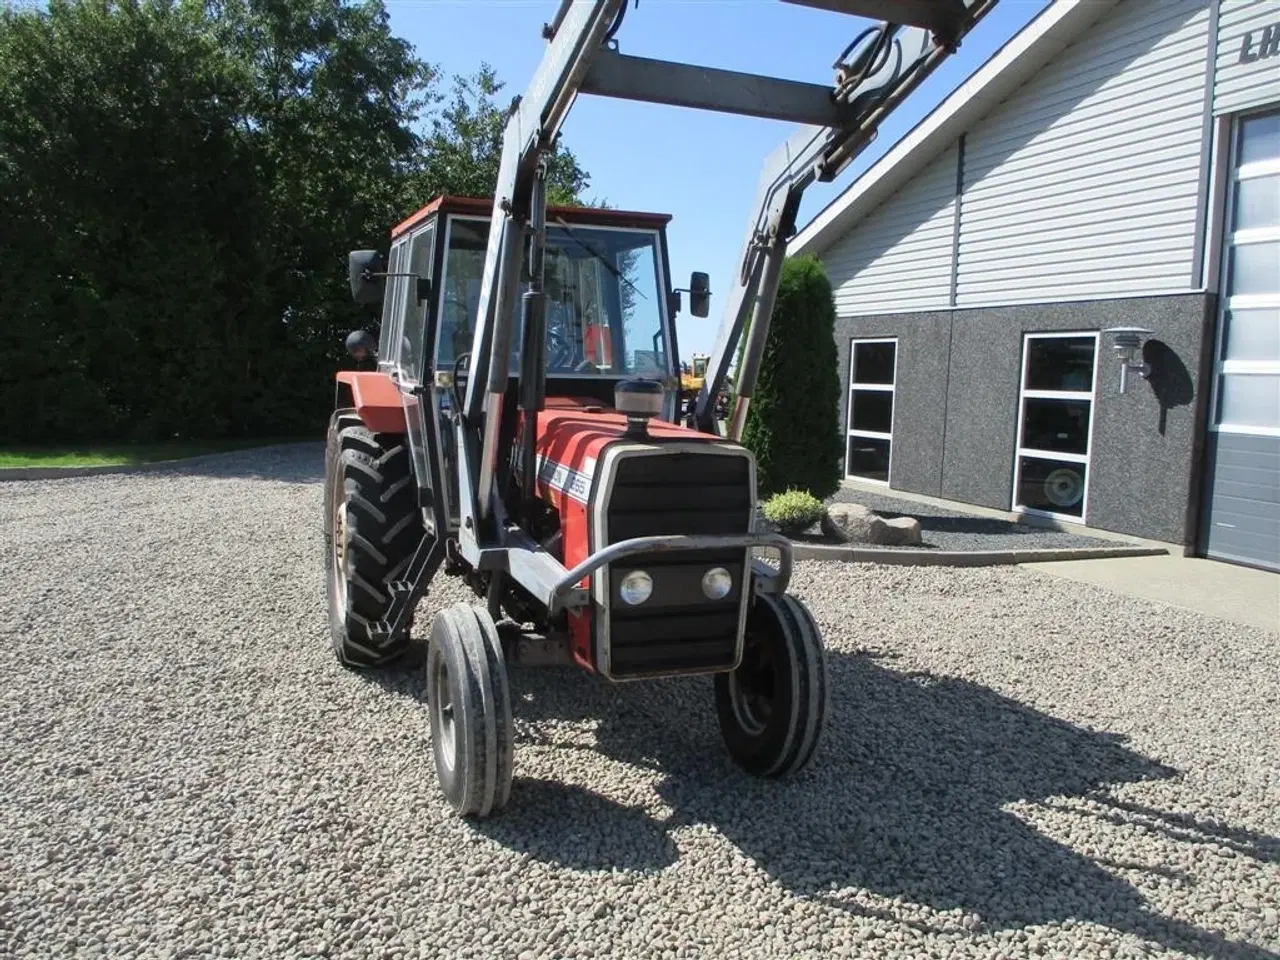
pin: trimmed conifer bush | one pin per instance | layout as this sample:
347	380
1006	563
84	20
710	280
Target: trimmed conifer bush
793	421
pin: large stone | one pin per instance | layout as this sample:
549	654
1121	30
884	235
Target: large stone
900	531
851	523
854	523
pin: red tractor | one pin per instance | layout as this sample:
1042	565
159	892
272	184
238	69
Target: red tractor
629	553
521	428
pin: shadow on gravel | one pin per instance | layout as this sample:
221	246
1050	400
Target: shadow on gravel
906	799
569	826
978	525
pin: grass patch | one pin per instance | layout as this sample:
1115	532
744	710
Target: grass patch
123	454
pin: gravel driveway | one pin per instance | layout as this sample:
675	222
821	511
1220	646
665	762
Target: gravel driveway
1015	765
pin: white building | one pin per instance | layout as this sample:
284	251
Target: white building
1115	164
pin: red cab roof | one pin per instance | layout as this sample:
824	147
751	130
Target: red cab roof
474	206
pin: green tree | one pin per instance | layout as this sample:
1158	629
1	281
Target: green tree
128	199
793	423
331	101
180	182
463	150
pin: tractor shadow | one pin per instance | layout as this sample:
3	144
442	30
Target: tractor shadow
906	798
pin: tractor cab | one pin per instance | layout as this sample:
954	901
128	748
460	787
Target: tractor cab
610	314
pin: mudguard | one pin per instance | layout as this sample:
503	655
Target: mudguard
376	399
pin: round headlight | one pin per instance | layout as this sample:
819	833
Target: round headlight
636	587
716	583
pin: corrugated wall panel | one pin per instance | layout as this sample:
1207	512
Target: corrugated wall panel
1243	76
1111	128
899	256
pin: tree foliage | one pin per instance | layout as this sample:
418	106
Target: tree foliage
180	182
462	152
793	421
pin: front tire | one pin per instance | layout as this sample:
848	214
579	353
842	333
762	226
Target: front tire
469	699
772	709
373	526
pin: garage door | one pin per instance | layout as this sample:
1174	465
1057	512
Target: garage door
1242	519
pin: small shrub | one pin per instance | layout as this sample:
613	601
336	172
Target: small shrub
793	510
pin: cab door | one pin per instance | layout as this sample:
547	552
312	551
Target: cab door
412	366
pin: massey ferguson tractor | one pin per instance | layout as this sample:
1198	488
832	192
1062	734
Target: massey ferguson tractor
522	430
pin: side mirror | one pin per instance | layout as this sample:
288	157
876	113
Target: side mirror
361	345
364	270
699	294
422	290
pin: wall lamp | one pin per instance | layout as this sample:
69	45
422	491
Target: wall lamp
1128	341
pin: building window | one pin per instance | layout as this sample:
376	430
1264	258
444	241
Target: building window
1055	424
872	372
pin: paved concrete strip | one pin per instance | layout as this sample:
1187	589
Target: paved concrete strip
964	558
1228	591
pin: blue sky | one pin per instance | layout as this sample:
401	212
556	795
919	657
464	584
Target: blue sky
700	167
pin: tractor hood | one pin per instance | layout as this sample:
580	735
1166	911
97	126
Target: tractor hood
573	434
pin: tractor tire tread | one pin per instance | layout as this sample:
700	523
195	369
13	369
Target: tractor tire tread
357	499
504	733
478	783
385	530
788	745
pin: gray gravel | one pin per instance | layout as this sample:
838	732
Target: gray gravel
1016	765
945	529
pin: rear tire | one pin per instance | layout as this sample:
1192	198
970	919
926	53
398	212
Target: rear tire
772	710
373	526
469	699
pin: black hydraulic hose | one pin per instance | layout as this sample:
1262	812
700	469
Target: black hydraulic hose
617	22
874	57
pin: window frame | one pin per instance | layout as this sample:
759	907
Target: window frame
1033	453
392	302
1229	304
666	318
412	311
890	388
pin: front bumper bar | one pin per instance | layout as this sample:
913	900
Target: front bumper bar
566	593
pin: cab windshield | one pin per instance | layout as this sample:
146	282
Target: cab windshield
604	306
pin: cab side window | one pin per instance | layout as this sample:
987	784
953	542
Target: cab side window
413	336
391	300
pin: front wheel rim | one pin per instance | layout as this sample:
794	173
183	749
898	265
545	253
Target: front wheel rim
751	689
442	707
338	565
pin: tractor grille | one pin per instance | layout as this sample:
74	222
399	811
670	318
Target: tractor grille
677	630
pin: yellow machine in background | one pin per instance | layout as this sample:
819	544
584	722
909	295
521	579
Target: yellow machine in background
693	373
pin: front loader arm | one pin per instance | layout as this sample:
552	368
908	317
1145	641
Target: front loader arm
840	120
578	31
868	88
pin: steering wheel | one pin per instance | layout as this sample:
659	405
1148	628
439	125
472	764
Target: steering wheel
560	354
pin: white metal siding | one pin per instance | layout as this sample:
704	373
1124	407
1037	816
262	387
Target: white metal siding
1086	182
1240	85
899	256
